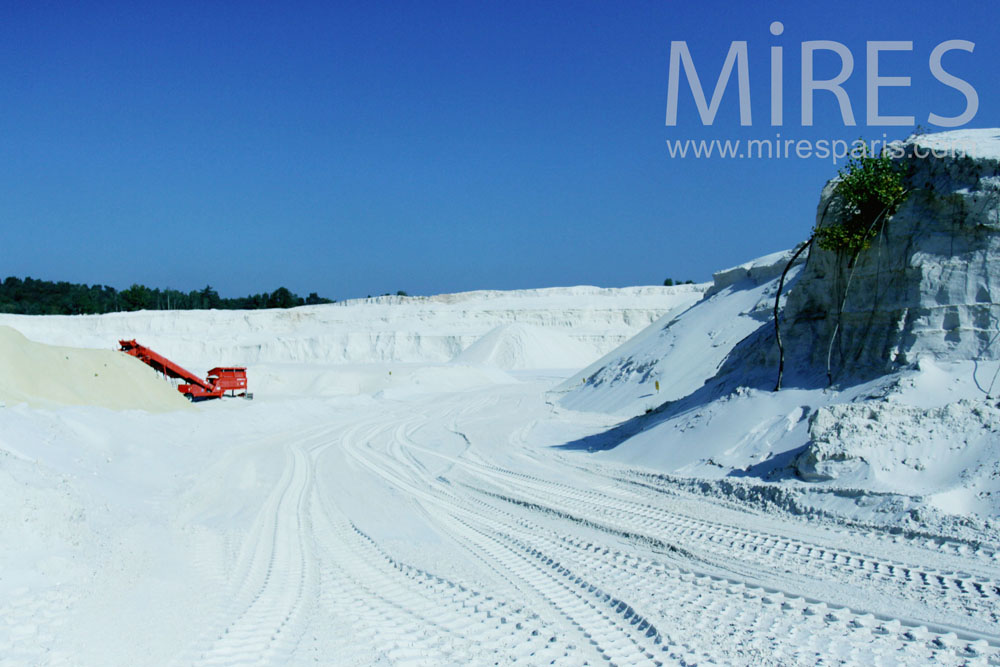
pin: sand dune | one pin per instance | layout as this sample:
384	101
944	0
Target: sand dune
46	375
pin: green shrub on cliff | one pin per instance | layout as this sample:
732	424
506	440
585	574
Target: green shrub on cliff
871	188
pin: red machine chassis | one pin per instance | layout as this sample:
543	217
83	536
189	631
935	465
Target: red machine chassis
220	379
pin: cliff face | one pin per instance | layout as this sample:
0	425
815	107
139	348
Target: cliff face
930	283
380	330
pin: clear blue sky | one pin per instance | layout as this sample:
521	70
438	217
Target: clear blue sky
355	148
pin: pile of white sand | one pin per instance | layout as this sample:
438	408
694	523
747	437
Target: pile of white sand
523	346
47	376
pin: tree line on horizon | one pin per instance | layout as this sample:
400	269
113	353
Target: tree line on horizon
31	296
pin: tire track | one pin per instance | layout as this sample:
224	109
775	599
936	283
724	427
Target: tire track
408	614
561	564
601	630
962	591
274	582
616	508
754	622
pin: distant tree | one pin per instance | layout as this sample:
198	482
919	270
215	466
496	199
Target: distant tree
136	297
669	282
315	299
401	293
210	298
29	296
283	298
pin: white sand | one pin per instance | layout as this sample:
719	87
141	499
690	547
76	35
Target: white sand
427	513
379	330
523	346
46	376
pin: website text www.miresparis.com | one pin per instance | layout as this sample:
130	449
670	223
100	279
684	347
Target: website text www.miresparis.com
782	148
737	65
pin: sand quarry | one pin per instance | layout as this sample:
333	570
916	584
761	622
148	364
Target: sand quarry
472	487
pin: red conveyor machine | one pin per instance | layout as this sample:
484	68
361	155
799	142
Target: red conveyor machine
220	379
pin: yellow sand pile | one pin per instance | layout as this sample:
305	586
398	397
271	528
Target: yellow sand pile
47	376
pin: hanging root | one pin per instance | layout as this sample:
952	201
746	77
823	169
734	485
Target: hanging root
777	300
880	218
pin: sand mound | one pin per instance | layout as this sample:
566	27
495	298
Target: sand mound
46	376
522	346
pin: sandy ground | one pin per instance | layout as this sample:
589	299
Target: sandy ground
427	526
